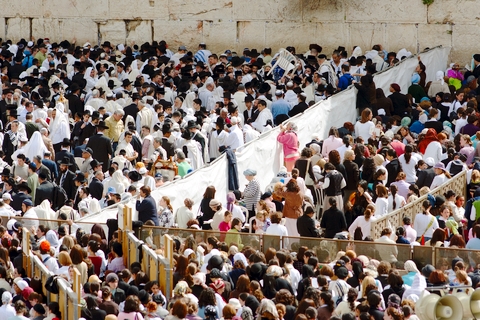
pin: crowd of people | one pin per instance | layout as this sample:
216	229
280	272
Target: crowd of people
85	127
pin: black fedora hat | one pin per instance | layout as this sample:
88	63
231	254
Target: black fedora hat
80	177
24	186
66	142
6	172
95	163
237	61
102	124
134	176
65	161
191	124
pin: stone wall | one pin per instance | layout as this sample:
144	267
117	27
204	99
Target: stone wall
236	24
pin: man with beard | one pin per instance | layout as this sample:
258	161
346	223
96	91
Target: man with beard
66	177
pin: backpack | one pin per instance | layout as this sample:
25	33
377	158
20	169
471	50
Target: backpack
51	284
59	197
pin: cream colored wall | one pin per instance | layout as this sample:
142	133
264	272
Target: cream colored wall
244	23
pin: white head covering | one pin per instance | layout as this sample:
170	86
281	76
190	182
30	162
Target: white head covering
417	289
403	53
357	52
35	147
188	102
240	256
6	297
410	266
439	76
91	82
52	238
60	127
118	181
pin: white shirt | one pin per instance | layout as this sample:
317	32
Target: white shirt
7	311
182	216
409	168
278	230
363	224
399	202
341	150
438	181
261	120
216	141
381	207
434	150
421	223
364	130
235	138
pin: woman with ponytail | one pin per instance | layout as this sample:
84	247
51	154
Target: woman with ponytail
395	201
409	160
324	312
349	305
363	222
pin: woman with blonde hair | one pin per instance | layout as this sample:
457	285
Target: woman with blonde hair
289	140
165	217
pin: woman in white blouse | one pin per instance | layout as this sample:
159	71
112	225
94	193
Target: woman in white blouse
363	222
365	127
381	204
441	177
395	201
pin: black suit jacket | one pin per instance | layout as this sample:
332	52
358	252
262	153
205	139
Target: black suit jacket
64	153
130	110
89	131
96	189
102	149
17	200
425	177
253	117
68	184
44	191
306	227
393	168
75	104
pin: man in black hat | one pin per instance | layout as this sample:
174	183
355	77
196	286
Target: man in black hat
75	104
251	112
23	194
132	109
218	138
65	151
96	185
91	127
80	181
11	141
66	177
101	146
199	137
15	70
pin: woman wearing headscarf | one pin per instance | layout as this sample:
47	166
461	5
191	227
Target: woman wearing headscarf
35	147
411	267
234	208
59	127
91	79
415	89
430	146
439	85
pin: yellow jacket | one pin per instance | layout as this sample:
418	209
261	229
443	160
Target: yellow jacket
115	128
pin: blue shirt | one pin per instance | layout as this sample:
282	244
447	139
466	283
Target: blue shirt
473	244
345	81
280	107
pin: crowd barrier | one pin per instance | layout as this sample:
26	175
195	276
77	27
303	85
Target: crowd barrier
394	219
264	154
69	295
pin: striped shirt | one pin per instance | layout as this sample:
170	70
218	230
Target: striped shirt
252	194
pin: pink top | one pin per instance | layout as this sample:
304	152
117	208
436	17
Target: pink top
130	316
455	74
289	140
331	143
224	227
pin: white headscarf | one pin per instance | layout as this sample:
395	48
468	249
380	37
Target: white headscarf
118	181
91	82
52	238
417	289
357	52
60	127
35	147
45	212
439	76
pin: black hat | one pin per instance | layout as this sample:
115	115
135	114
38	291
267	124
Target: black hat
80	177
65	161
24	186
74	87
35	72
66	142
237	61
13	113
191	124
102	124
220	121
134	176
249	98
264	88
254	53
94	163
126	83
62	231
227	95
476	57
107	44
6	172
39	308
95	115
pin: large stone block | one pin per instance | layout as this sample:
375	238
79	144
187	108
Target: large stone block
219	36
330	36
280	10
33	8
214	10
138	9
178	33
250	34
413	11
51	28
400	36
365	35
97	9
17	28
114	30
81	29
322	10
139	31
281	35
464	44
432	35
455	11
2	28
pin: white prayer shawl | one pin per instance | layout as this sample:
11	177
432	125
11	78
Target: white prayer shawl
91	82
239	97
194	154
261	120
188	103
332	76
111	106
144	118
96	103
118	181
123	145
357	52
60	127
216	141
35	147
44	211
235	138
149	181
